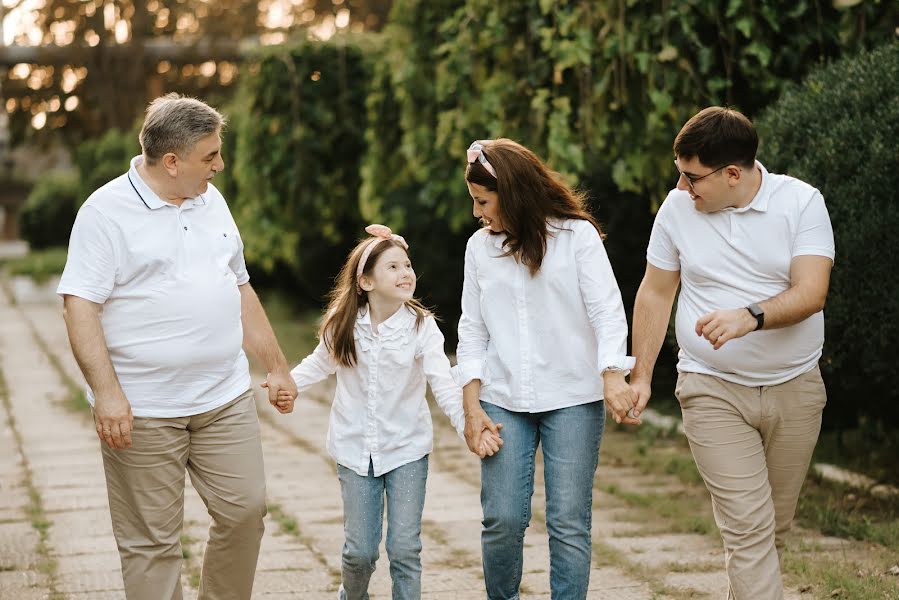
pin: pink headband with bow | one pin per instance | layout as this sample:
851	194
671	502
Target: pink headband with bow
380	233
475	152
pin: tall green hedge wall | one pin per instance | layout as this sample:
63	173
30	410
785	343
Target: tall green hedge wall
326	137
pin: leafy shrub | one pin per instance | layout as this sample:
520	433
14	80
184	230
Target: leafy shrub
102	159
47	217
298	122
838	131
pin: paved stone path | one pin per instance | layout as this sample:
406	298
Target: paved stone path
56	540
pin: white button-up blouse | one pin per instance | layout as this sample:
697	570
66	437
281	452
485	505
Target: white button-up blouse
541	343
379	412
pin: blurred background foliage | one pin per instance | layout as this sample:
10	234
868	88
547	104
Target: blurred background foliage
326	135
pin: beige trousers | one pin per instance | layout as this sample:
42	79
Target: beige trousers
222	451
753	446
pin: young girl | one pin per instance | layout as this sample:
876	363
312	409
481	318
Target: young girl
383	345
542	342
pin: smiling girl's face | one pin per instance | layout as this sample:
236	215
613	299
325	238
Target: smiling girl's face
392	277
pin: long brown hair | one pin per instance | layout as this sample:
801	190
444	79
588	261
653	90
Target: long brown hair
529	194
337	328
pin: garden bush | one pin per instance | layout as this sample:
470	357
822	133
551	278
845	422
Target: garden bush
48	214
838	131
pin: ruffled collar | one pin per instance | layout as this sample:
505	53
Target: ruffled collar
393	332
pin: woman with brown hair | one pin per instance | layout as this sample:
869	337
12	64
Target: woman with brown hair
542	342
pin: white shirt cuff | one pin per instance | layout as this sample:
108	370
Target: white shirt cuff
465	372
621	362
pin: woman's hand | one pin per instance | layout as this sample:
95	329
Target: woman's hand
619	397
476	422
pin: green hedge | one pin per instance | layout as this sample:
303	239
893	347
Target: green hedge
101	160
839	132
47	217
599	89
298	126
326	137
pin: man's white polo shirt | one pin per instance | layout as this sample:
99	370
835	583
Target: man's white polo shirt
167	278
733	257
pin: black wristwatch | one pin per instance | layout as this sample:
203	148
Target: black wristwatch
756	311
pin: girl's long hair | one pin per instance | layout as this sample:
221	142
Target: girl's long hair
530	193
345	302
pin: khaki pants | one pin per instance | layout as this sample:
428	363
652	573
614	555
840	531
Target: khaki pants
752	446
222	451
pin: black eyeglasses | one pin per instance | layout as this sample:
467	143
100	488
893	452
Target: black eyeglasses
691	179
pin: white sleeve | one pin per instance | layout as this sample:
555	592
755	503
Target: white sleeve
92	260
471	353
436	367
661	251
602	298
314	368
815	233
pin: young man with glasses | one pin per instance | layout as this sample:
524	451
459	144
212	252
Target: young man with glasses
752	253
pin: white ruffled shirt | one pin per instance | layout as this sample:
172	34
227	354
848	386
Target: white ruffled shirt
541	343
380	413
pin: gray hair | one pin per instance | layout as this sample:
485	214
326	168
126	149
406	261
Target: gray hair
175	123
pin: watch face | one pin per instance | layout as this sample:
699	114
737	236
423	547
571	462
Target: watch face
755	309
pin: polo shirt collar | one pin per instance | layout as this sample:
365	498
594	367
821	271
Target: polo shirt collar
150	199
760	201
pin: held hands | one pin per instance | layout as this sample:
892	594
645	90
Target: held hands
620	398
490	442
113	420
481	434
643	390
282	391
720	326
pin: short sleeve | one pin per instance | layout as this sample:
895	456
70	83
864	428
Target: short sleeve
661	251
815	233
92	261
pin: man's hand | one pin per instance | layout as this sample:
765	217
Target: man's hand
282	391
113	420
476	421
720	326
619	397
643	390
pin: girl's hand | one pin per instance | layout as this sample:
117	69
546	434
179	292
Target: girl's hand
490	443
284	401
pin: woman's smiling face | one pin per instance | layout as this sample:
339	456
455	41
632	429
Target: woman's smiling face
486	206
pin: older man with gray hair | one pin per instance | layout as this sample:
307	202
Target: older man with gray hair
159	310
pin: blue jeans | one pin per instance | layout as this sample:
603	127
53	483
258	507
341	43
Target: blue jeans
570	439
363	516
